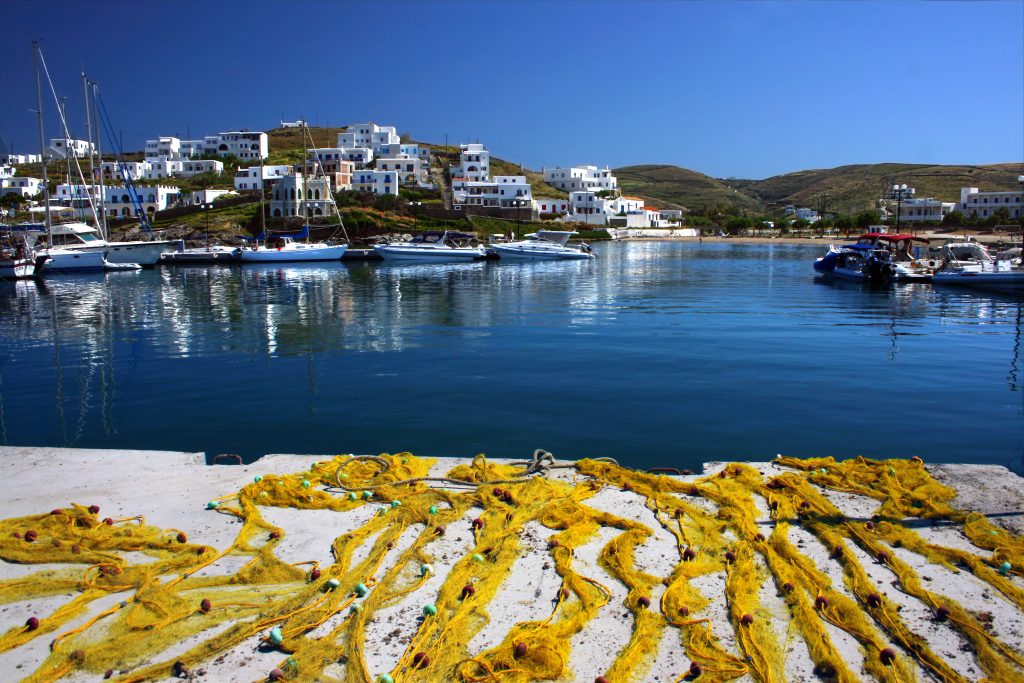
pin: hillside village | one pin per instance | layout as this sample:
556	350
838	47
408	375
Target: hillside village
384	183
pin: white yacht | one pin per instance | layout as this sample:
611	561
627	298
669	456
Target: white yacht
544	244
434	246
17	261
77	237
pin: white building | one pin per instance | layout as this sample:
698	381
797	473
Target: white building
547	206
809	215
23	186
412	149
118	202
79	148
160	168
6	171
18	159
194	167
168	147
207	196
984	204
576	178
377	182
368	135
925	209
505	191
192	148
293	124
411	169
474	164
295	195
137	170
243	144
249	178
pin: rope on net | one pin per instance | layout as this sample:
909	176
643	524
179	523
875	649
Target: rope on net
317	616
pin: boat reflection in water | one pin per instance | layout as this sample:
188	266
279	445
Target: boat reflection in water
653	353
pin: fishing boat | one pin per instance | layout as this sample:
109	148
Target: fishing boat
434	246
969	264
907	255
847	262
879	257
544	245
16	258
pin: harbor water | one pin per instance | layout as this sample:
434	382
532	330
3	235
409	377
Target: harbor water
656	354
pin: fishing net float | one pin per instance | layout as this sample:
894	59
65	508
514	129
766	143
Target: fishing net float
736	525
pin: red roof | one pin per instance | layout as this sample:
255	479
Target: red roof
890	238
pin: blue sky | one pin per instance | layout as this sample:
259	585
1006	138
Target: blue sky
744	89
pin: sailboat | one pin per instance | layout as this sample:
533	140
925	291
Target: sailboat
49	259
284	247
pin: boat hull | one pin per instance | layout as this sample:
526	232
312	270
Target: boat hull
419	254
16	269
294	253
142	253
1012	281
532	254
72	261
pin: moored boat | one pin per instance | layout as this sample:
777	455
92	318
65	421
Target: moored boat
544	245
433	246
969	264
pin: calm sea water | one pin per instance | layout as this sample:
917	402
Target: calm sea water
657	354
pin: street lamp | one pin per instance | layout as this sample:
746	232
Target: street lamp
898	193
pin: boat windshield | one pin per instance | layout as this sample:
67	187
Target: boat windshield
87	236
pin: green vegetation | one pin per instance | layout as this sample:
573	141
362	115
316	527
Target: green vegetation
671	187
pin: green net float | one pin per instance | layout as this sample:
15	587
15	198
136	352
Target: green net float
258	478
477	557
429	610
342	476
333	583
367	494
1004	568
433	509
352	495
305	483
212	505
361	589
385	678
355	609
396	503
276	637
426	569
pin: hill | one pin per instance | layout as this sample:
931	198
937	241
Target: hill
672	187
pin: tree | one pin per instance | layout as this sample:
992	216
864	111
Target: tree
736	224
866	219
954	218
801	224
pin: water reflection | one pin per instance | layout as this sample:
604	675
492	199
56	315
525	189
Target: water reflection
699	351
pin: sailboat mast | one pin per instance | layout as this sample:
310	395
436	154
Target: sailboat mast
42	145
88	136
305	160
99	156
263	210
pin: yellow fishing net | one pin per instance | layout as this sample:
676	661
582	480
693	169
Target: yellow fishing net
151	594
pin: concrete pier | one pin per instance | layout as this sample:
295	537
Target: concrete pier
171	490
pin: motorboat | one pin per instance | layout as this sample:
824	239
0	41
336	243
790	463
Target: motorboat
211	254
970	264
285	248
433	246
78	236
879	257
544	244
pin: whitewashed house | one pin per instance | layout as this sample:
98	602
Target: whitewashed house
23	186
194	167
411	170
577	178
136	170
368	135
249	178
330	160
118	202
809	215
293	124
924	209
296	195
507	192
160	168
166	146
983	204
412	149
208	196
377	182
361	157
243	144
79	149
192	148
6	171
18	159
547	206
